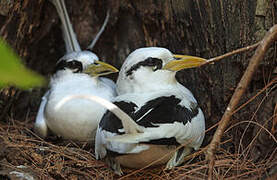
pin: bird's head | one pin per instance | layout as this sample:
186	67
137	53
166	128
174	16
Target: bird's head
152	66
84	62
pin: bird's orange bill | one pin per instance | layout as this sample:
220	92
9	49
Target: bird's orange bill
183	62
100	68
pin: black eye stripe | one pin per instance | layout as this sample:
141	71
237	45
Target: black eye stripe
74	65
61	65
177	58
147	62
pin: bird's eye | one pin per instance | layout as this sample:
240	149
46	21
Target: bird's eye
75	65
70	64
60	65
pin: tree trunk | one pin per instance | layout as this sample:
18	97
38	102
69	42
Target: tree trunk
203	28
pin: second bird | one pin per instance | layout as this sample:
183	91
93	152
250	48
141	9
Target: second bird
77	73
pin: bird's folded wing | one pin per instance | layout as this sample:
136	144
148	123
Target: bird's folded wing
162	134
40	115
165	121
40	124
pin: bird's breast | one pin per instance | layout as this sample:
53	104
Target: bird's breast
154	155
77	118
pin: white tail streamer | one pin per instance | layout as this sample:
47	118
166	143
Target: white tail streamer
128	123
71	42
70	38
90	47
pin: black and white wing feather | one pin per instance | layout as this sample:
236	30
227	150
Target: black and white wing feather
165	120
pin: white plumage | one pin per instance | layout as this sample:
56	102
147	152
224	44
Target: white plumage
166	114
76	74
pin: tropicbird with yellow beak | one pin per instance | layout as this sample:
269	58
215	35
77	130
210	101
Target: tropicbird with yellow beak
165	114
77	73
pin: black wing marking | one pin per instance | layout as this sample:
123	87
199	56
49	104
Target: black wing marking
165	110
111	123
162	110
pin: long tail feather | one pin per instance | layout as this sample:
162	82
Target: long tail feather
127	138
70	39
90	47
129	125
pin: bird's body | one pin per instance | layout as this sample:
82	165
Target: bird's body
77	73
165	112
77	119
158	112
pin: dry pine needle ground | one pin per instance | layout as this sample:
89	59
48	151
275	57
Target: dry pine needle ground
22	151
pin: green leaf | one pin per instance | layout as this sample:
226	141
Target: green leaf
13	72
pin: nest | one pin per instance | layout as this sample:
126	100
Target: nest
25	155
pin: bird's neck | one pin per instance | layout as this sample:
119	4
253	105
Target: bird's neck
62	73
67	75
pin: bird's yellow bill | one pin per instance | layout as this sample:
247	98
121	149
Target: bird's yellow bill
100	68
183	62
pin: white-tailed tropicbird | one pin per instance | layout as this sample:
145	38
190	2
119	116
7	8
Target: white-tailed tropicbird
77	73
165	114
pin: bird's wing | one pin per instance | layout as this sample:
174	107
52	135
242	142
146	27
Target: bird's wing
166	120
40	124
70	39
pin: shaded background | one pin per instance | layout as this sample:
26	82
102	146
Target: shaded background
201	28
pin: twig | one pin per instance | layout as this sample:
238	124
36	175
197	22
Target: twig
251	99
269	38
212	60
274	122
